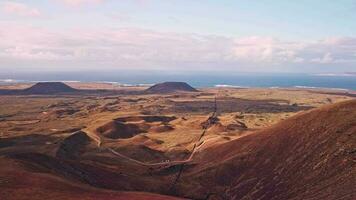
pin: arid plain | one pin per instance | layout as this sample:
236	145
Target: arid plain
114	142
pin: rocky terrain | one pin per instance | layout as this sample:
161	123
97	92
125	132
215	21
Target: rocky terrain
215	143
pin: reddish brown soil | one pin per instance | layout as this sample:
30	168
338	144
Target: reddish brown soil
116	129
309	156
20	182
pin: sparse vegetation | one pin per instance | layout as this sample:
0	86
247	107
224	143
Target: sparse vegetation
121	143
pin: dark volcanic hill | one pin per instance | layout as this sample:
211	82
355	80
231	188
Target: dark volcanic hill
170	87
49	88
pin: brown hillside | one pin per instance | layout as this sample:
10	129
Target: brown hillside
38	186
309	156
73	144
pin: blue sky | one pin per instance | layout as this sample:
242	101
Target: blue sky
265	35
304	19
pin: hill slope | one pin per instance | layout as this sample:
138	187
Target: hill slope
309	156
34	184
170	87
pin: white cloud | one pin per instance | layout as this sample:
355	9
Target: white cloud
19	9
141	48
266	49
327	58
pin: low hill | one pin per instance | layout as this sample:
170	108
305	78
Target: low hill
308	156
170	87
49	88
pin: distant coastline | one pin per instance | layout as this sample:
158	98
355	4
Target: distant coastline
342	81
337	74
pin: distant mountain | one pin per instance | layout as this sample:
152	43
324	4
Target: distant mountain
170	87
49	88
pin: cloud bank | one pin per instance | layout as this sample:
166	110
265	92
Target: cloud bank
130	48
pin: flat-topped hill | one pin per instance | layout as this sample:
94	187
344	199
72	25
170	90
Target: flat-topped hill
49	88
170	87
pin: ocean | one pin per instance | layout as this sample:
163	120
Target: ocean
196	79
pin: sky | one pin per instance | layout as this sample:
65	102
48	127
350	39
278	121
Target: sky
313	36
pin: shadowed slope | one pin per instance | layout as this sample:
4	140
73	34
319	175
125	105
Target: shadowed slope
127	127
71	146
35	185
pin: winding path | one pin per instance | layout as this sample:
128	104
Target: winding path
164	164
196	146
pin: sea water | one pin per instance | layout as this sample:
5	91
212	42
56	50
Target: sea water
196	79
